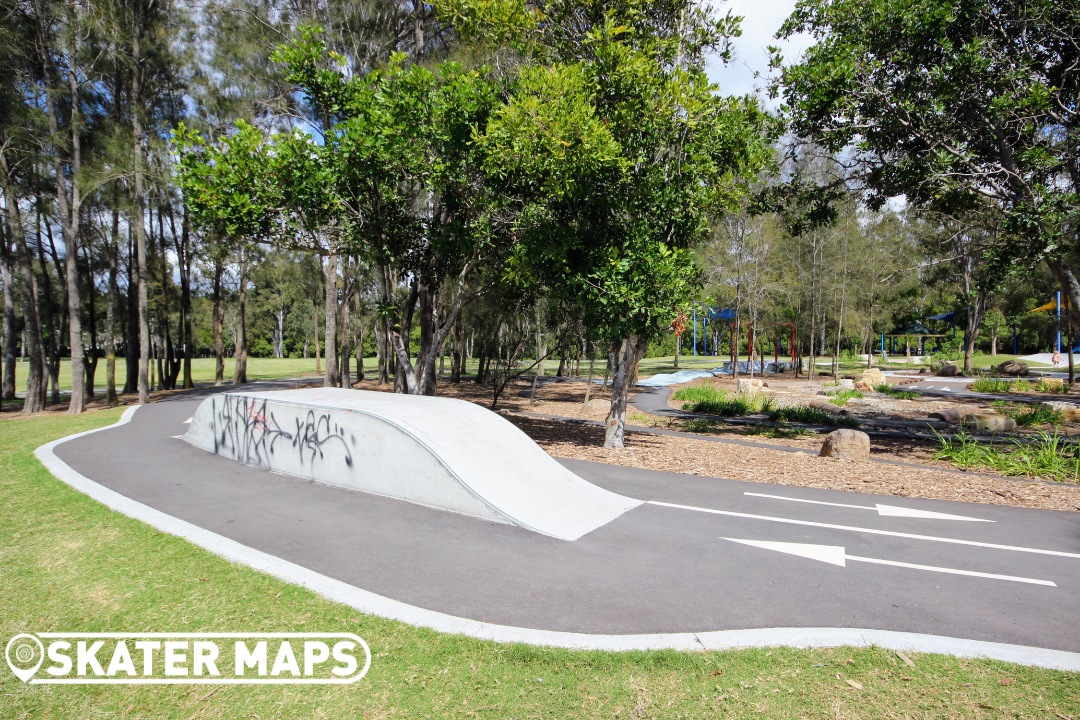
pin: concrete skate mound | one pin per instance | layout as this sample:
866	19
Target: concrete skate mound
439	452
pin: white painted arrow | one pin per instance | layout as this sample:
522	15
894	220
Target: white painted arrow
835	555
882	510
188	421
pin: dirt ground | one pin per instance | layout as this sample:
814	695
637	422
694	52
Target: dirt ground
694	456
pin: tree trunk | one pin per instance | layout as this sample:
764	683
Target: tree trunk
185	300
66	158
7	391
315	330
346	336
110	306
218	321
32	345
457	359
240	354
331	378
633	349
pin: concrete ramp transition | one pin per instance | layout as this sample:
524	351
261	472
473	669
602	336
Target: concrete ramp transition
440	452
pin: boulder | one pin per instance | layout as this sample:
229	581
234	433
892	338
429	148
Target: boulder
750	386
955	414
846	445
863	386
989	422
948	370
871	376
1070	412
1013	367
846	384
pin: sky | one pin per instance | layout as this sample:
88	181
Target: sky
761	20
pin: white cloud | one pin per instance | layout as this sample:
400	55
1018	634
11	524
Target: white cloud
761	20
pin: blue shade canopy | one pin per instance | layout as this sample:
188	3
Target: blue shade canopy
715	313
946	317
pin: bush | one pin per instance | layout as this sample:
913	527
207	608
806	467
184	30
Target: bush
841	398
897	393
812	416
1053	456
708	400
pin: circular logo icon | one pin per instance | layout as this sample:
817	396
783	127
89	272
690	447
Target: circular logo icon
24	655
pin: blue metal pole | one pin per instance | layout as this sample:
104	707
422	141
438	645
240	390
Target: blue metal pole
695	332
705	335
1058	346
883	346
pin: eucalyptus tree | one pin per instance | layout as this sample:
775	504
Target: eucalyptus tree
954	104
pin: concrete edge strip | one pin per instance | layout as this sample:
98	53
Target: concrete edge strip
372	604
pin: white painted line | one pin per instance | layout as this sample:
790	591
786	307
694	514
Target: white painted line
882	510
188	421
952	571
372	604
872	531
835	555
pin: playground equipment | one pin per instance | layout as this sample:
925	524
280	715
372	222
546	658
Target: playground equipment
440	452
716	314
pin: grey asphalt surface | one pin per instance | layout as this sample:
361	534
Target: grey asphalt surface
655	569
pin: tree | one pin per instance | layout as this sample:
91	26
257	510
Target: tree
229	191
616	149
954	104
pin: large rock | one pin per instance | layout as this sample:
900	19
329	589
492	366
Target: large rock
871	376
846	445
750	386
846	384
1013	367
863	386
1070	412
948	370
989	422
956	413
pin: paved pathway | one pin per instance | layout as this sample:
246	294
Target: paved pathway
704	554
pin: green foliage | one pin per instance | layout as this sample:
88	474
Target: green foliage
615	148
840	399
708	400
897	392
1028	415
1052	456
949	104
1002	385
812	416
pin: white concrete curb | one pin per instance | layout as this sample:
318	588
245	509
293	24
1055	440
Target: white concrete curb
373	604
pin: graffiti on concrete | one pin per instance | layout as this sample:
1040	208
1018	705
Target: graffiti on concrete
248	430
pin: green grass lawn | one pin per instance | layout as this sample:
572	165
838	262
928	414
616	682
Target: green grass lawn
69	564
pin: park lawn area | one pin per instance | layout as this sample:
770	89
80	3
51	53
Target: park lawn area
202	370
69	564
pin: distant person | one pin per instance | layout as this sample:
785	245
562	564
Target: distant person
1055	359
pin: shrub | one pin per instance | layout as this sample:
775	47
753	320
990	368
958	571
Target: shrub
841	398
812	416
711	401
1053	456
897	393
